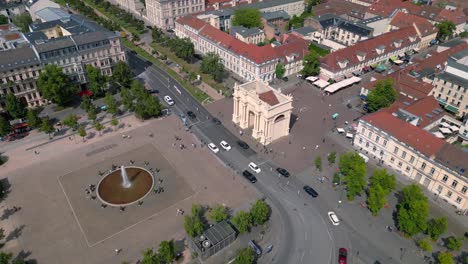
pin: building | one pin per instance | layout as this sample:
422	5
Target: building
450	86
10	9
133	6
274	23
426	31
11	37
249	61
164	13
263	108
343	31
415	153
347	10
341	63
71	44
50	14
34	6
308	33
248	35
213	240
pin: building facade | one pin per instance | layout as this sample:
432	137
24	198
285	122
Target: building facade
164	13
343	31
248	35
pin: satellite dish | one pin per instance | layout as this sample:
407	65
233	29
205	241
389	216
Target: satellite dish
206	244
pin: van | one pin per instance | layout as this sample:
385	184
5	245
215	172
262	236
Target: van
364	157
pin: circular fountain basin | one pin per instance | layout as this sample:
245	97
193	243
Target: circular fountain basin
110	189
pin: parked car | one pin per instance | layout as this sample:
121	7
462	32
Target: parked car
283	172
249	176
213	147
285	79
255	248
342	256
225	145
191	115
243	145
333	218
254	167
168	100
216	121
310	191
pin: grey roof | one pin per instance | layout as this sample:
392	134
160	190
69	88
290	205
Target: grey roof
54	44
454	158
461	54
19	57
245	32
222	12
276	15
74	24
304	30
33	37
371	20
453	79
328	20
452	43
219	232
92	37
51	13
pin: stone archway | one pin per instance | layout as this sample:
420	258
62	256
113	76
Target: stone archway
251	119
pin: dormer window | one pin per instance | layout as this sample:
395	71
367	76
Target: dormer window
380	49
397	43
361	55
343	63
412	38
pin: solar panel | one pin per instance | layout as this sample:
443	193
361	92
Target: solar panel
435	112
429	115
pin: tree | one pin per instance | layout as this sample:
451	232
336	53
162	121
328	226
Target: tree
148	107
376	199
425	244
122	74
243	221
247	17
245	256
3	19
218	213
55	85
295	22
86	103
436	227
193	225
150	257
311	65
33	118
383	179
115	123
382	96
211	64
331	157
412	210
157	35
454	243
111	103
318	163
92	115
98	126
182	48
96	80
127	98
5	257
71	121
23	21
353	167
167	251
260	212
82	132
445	258
446	29
279	70
46	126
5	127
15	107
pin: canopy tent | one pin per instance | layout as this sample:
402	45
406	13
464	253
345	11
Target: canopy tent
451	108
339	85
438	134
454	128
380	68
401	55
340	130
321	83
311	78
398	62
445	130
349	135
394	58
416	49
444	124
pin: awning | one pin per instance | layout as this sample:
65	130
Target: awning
340	85
444	124
401	55
312	78
398	62
445	130
416	49
454	128
321	83
349	135
380	68
438	134
394	58
340	130
451	108
373	66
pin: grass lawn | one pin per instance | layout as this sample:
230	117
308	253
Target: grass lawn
319	50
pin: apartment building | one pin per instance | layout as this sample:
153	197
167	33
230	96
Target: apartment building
249	61
450	86
70	44
343	62
248	35
417	154
164	13
134	6
11	37
343	31
426	31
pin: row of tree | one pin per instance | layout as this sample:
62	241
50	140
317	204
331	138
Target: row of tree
166	253
91	14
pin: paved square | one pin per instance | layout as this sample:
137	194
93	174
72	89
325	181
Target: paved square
99	223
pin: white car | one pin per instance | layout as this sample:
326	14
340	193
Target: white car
254	167
333	218
213	147
168	100
225	145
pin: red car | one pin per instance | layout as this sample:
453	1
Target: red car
342	256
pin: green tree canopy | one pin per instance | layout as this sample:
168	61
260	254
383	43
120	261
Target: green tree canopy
14	106
92	115
311	65
383	179
247	17
96	80
454	243
82	132
5	258
211	64
280	70
295	22
33	118
218	213
412	210
23	21
98	126
245	256
71	121
353	167
86	103
148	107
243	221
46	126
436	227
182	48
425	244
111	103
151	257
3	19
5	127
193	225
55	85
318	163
382	96
122	74
260	212
446	29
167	251
376	199
114	122
332	157
127	98
445	258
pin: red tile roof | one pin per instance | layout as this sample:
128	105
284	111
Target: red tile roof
368	47
424	107
339	8
405	84
401	20
416	137
191	21
456	16
269	98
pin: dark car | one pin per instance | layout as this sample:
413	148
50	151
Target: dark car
191	115
249	176
342	256
216	121
170	31
243	145
283	172
154	91
285	79
310	191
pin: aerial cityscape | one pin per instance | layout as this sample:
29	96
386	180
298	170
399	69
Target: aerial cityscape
233	131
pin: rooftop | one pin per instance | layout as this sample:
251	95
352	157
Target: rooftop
329	20
402	19
405	85
340	8
219	232
280	14
265	93
427	110
19	57
51	13
245	32
453	158
304	30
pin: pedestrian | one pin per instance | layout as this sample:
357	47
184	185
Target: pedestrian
117	250
317	146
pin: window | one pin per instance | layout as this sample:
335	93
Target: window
454	184
445	178
381	153
370	134
385	143
403	155
463	190
367	144
408	168
449	194
360	140
374	149
423	165
395	150
439	188
432	171
400	164
459	199
392	160
377	139
411	160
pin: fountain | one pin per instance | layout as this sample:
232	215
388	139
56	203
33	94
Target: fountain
125	181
